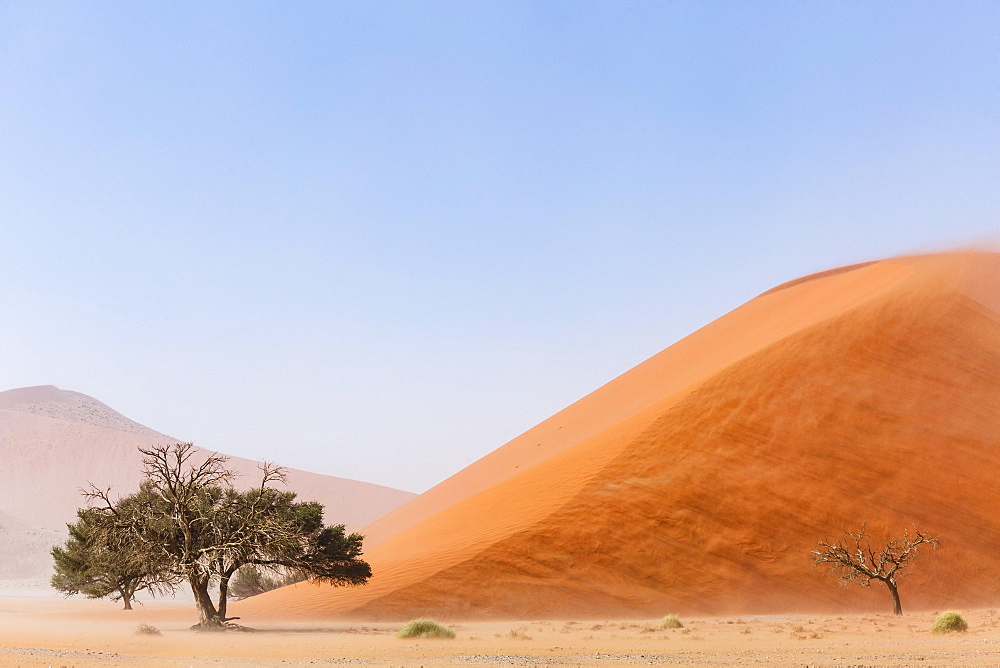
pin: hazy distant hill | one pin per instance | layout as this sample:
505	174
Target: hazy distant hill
53	442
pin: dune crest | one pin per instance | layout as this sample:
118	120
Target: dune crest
51	402
698	481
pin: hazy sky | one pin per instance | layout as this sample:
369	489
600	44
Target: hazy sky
378	240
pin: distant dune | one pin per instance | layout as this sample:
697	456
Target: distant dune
54	442
699	481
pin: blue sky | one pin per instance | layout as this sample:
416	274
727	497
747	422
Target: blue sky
378	240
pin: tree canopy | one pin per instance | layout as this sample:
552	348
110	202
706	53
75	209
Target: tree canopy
188	523
88	564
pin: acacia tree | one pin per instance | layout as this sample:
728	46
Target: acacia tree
88	563
853	558
189	516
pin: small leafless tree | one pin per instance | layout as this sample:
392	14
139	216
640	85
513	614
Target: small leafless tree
853	558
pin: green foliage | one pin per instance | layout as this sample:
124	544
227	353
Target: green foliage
425	628
671	622
949	622
76	562
94	564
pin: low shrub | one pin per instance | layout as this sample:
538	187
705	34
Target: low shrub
425	628
520	633
147	630
670	622
949	622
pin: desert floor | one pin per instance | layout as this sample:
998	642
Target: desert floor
47	632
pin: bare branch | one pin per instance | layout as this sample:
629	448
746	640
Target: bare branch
854	560
94	493
271	472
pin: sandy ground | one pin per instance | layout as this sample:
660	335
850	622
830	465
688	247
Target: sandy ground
38	632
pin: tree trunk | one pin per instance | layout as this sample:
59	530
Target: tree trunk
208	616
127	593
897	608
223	595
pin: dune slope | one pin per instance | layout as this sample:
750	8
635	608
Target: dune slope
699	481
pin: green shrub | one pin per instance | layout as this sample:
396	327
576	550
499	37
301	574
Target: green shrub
949	622
425	628
670	622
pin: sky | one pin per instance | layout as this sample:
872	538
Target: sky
378	240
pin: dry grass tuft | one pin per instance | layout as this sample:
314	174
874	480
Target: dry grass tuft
671	622
520	633
425	628
145	629
949	622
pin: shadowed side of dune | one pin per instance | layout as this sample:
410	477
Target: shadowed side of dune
715	507
643	389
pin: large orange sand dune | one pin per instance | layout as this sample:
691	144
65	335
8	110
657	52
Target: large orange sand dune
698	481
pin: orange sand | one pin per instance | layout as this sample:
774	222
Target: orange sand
79	634
698	481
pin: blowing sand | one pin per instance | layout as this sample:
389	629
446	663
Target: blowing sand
697	483
700	480
94	633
